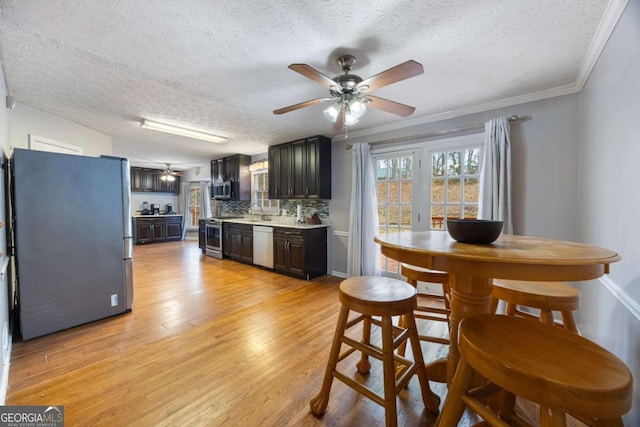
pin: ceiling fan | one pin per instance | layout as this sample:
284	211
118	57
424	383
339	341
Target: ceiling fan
351	92
168	174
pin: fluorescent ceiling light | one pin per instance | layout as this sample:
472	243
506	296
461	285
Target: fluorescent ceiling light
162	127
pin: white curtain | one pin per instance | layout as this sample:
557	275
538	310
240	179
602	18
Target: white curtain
183	205
495	176
363	254
205	200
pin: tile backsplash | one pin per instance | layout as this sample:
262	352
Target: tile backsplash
287	208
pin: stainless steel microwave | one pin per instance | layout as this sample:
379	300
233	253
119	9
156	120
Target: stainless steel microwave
221	190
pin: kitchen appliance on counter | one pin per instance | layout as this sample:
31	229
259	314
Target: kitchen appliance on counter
74	261
155	209
169	210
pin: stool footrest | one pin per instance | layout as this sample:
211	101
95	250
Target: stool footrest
483	411
436	340
359	387
427	317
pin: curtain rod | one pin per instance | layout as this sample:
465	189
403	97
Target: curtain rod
513	118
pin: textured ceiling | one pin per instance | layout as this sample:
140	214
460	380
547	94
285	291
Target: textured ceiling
221	66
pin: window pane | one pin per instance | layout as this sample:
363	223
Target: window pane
437	191
393	215
382	192
453	190
437	164
406	195
394	192
394	166
453	212
453	163
405	172
405	216
382	215
471	161
471	189
382	170
471	211
437	216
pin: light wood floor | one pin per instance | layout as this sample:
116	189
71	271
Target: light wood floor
209	342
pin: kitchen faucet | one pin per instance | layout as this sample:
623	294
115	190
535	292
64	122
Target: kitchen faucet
260	206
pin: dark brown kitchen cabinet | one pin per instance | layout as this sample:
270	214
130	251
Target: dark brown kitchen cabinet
234	169
137	179
300	252
150	230
238	242
148	180
174	228
300	169
154	229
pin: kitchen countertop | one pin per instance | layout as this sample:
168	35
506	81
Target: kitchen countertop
274	223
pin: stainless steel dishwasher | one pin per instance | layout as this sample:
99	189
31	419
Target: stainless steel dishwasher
263	246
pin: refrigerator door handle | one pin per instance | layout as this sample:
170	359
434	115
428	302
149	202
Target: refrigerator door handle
128	247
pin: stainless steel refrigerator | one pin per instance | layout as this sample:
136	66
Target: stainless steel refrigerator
73	239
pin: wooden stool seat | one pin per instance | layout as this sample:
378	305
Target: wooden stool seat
381	297
430	306
559	370
544	296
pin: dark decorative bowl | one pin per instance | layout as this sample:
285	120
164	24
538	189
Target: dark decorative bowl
482	231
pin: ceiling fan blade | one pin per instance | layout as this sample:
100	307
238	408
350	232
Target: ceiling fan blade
339	124
389	106
315	75
301	105
392	75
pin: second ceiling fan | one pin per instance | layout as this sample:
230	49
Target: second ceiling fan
351	92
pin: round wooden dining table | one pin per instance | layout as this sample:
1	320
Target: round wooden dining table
472	268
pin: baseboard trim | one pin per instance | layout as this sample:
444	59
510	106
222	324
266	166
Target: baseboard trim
630	304
339	274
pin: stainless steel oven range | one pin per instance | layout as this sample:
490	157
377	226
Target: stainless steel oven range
213	230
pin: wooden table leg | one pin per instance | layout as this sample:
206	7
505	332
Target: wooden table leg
470	295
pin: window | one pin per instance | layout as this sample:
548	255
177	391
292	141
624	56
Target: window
394	189
413	198
454	185
260	203
195	197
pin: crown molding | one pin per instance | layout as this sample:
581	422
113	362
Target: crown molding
605	28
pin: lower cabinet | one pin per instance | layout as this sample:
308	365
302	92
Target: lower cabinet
174	228
238	242
300	252
157	229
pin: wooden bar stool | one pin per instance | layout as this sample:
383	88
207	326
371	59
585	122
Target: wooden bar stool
384	297
430	306
560	370
545	296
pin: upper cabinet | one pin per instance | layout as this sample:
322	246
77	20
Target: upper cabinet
300	169
148	180
233	169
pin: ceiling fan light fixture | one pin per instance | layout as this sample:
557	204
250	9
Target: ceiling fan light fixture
332	112
350	119
357	108
176	130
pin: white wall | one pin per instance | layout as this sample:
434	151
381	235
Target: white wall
609	202
26	120
545	152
